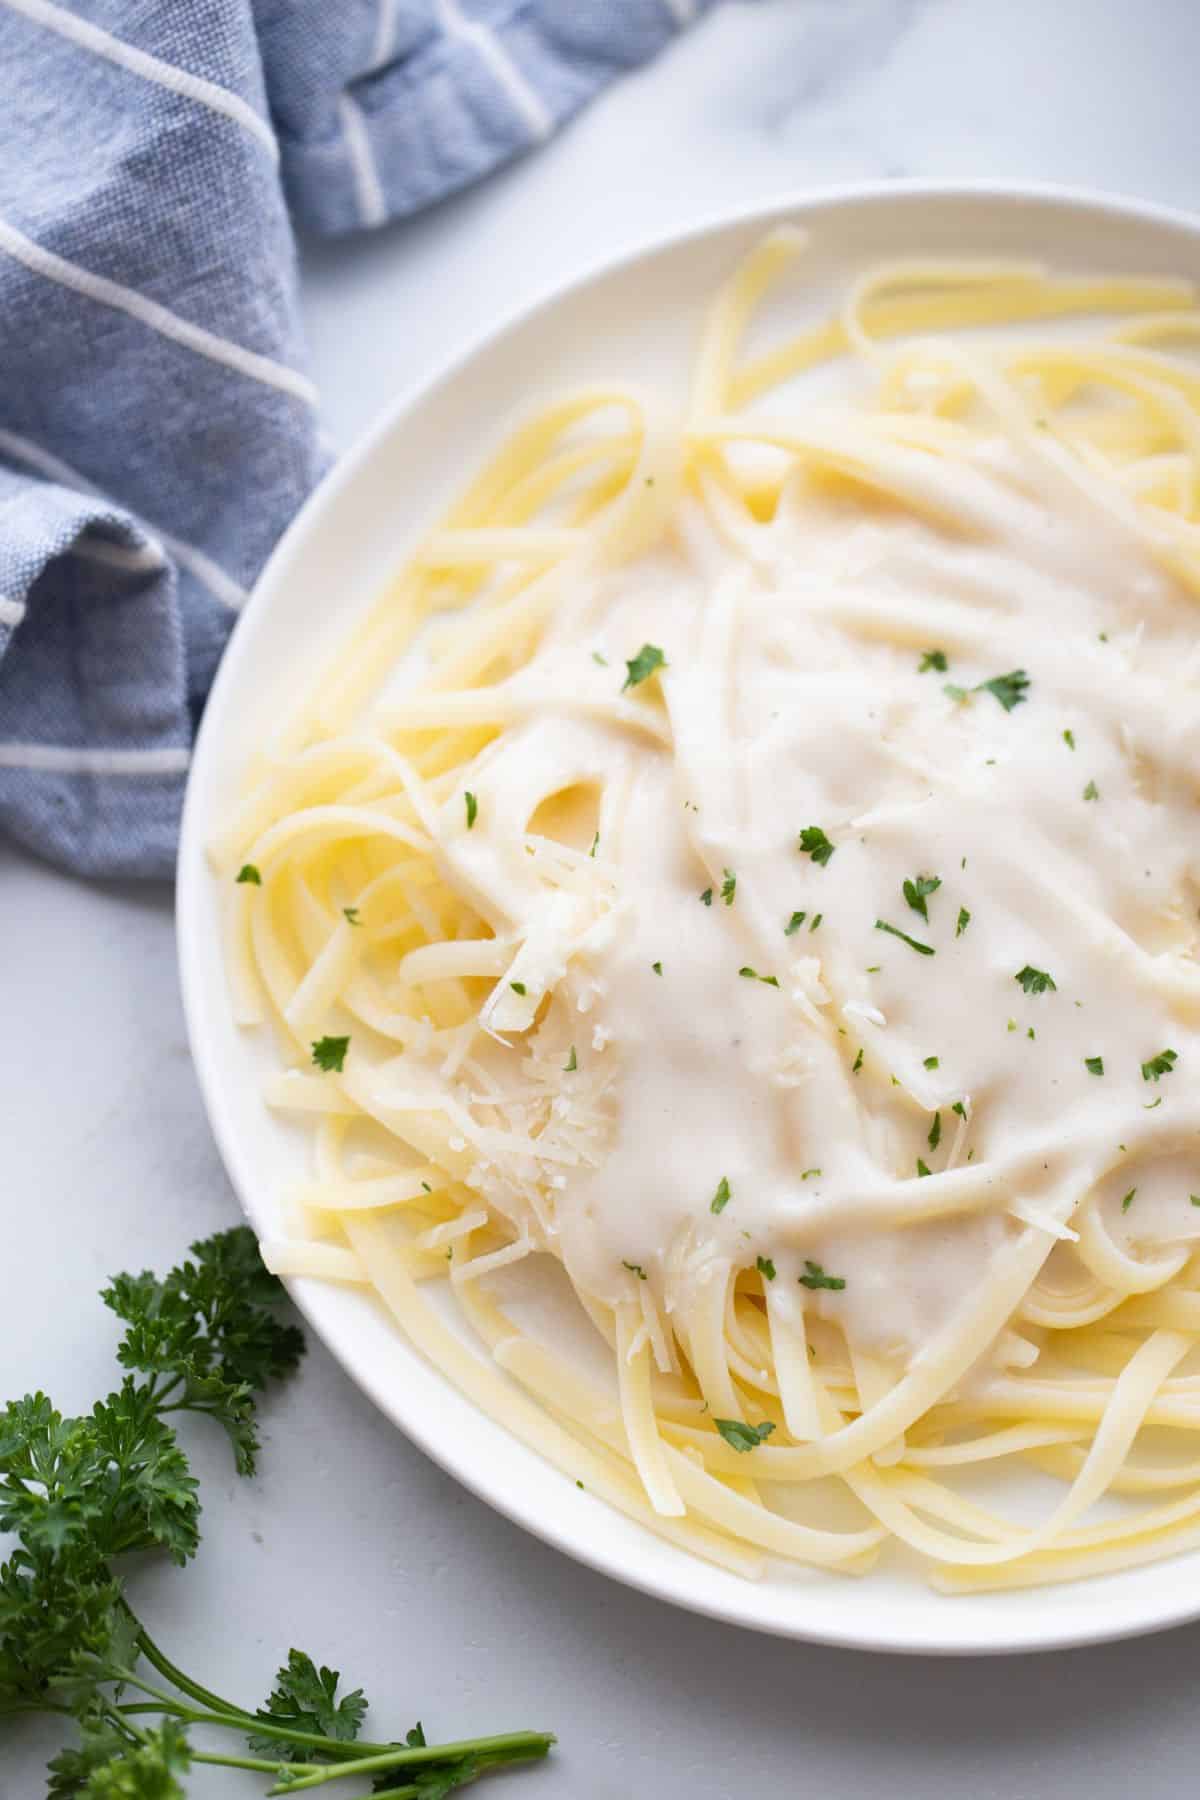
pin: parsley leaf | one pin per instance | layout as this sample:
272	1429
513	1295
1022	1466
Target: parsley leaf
915	892
935	1131
1091	791
248	872
749	974
922	949
794	923
923	1168
350	914
743	1437
766	1266
814	1276
1162	1064
858	1062
472	809
706	897
1127	1202
518	987
1008	689
657	967
933	659
722	1197
728	887
305	1698
1069	739
634	1269
931	1062
1094	1065
964	919
572	1063
1035	981
329	1053
953	691
642	666
813	842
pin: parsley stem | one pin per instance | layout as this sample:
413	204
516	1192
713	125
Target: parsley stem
177	1678
515	1746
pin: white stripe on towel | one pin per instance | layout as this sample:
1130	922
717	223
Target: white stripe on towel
68	759
487	45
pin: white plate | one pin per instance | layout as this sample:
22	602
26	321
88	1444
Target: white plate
634	318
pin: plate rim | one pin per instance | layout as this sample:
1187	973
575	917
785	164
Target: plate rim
804	203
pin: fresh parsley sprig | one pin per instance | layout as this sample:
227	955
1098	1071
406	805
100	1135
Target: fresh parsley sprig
79	1494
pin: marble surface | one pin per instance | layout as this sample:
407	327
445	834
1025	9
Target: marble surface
351	1542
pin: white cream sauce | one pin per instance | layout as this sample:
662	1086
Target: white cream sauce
795	698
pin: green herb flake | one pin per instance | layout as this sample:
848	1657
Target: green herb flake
915	892
572	1063
1094	1065
923	1168
1008	689
1195	1199
249	873
743	1437
1035	981
813	842
643	665
931	1062
1069	739
953	692
921	949
350	914
597	658
722	1197
634	1269
933	659
472	810
706	897
1159	1065
1151	1104
959	1108
749	974
964	919
817	917
1091	791
935	1131
657	967
809	1174
814	1276
1127	1202
595	845
794	923
766	1267
728	886
329	1053
858	1062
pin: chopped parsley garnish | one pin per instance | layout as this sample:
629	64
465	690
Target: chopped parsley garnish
706	897
743	1437
1127	1202
935	1131
1091	791
1069	739
964	919
750	974
1035	981
427	1187
808	1173
329	1053
634	1269
1094	1065
728	886
722	1197
249	872
915	892
657	967
518	987
597	658
814	1276
1031	1033
923	1168
572	1063
1151	1104
472	809
959	1108
813	842
642	666
953	691
350	914
933	659
794	923
1195	1199
921	949
766	1267
595	845
858	1062
1008	689
817	917
1162	1064
931	1062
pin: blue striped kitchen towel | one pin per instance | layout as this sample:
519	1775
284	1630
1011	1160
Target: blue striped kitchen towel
157	426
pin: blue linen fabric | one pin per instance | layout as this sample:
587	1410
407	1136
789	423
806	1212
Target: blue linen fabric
157	426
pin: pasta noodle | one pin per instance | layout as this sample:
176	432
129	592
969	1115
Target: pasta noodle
838	1222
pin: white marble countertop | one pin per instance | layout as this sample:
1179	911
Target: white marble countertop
437	1606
